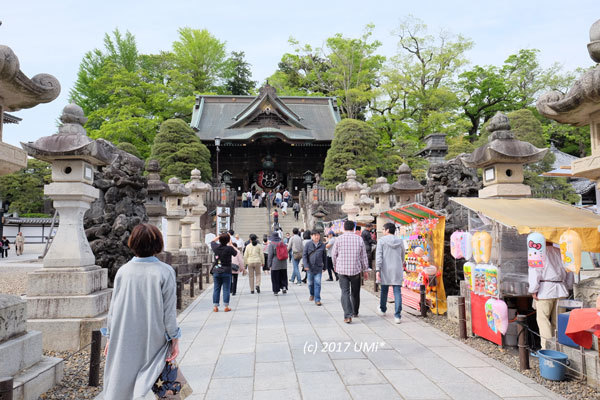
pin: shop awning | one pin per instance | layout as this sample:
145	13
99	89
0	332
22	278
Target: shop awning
548	217
410	213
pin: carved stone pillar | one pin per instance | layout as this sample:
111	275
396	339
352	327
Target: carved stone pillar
351	190
175	213
198	192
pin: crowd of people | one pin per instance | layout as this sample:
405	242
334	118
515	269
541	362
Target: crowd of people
280	198
142	314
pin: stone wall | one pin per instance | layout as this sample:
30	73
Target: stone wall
117	211
450	179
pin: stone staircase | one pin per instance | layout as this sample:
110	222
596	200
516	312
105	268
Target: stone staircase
256	220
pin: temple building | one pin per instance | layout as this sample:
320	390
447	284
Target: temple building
266	141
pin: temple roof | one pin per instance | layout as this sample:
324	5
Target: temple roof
10	119
243	118
503	147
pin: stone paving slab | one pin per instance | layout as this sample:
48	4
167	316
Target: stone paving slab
286	347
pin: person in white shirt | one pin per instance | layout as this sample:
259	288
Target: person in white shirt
547	285
284	206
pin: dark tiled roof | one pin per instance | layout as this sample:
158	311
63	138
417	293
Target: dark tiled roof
11	119
214	115
580	185
28	221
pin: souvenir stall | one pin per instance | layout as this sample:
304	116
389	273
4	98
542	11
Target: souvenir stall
422	230
505	238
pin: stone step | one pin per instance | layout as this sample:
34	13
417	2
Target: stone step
30	383
87	306
20	353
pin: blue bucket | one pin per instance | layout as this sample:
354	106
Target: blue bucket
552	364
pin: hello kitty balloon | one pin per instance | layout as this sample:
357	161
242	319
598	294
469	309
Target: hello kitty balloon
536	250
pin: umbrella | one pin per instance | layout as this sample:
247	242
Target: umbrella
583	323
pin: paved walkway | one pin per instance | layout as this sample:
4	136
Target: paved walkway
285	347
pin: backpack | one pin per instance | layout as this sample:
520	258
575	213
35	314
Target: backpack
282	251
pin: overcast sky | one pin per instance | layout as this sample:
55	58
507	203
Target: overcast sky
52	36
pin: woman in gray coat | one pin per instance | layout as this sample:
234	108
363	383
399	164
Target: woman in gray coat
142	320
277	265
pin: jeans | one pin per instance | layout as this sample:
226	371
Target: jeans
397	299
221	280
296	272
314	285
350	285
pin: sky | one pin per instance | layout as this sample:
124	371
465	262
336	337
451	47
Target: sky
52	36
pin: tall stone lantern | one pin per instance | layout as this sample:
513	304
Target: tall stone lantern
175	213
580	107
366	206
68	297
198	192
502	159
405	188
351	190
186	224
381	192
157	189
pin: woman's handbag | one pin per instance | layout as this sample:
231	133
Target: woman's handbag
235	267
171	384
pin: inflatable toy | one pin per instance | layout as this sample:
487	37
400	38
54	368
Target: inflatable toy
496	313
482	246
468	270
455	244
536	250
466	245
570	251
491	281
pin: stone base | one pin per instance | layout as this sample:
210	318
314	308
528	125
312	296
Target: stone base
43	376
66	281
452	304
20	353
505	190
88	306
68	334
13	313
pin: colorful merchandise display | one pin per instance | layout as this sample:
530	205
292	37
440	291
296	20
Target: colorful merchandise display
496	313
468	268
491	281
570	251
422	231
536	250
482	246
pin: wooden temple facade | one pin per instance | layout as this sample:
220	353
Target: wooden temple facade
266	141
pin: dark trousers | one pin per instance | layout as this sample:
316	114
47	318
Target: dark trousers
4	252
265	267
296	214
350	286
279	279
330	270
234	283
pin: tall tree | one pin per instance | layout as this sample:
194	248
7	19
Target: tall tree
202	56
179	151
24	189
238	75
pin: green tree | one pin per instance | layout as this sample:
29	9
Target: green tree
416	92
354	146
238	74
129	148
179	151
24	189
202	56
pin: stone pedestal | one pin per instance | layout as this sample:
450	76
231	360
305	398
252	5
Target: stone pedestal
198	190
175	213
21	353
351	190
157	189
68	297
186	234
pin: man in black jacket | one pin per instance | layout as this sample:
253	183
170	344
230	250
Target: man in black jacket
369	243
314	257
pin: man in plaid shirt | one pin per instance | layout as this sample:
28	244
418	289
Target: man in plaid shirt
349	258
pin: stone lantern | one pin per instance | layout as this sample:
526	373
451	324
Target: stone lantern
157	189
351	190
222	221
381	193
405	188
68	297
198	190
366	206
186	223
175	213
502	159
580	107
319	214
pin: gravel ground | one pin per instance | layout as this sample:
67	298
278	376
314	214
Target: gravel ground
74	385
571	388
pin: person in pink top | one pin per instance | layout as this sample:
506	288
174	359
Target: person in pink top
239	261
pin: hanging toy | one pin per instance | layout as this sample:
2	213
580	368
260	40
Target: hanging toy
489	315
500	315
479	280
455	244
491	280
570	250
475	247
482	246
468	270
466	245
536	250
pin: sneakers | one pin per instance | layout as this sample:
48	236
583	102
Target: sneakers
347	320
252	292
276	293
233	294
311	298
284	291
258	289
318	303
299	283
216	309
227	309
397	320
379	312
329	280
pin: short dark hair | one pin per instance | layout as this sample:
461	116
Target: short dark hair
391	228
295	231
357	228
145	240
224	238
306	235
349	225
231	232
